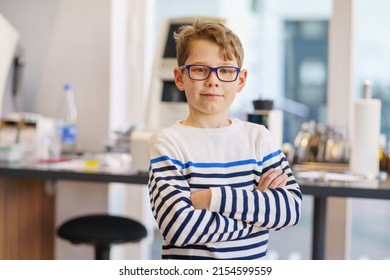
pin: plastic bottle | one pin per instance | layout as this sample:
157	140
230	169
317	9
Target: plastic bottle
68	122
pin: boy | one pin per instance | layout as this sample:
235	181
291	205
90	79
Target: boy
217	185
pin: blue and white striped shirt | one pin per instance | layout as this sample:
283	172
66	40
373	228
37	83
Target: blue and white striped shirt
229	161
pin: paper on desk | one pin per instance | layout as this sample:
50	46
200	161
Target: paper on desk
329	176
68	165
104	162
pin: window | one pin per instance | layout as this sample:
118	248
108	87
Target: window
370	219
305	72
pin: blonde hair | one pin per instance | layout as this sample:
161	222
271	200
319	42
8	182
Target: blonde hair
215	32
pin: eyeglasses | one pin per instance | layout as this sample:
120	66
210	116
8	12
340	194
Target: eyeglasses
200	72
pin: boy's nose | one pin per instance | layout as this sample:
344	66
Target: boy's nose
212	80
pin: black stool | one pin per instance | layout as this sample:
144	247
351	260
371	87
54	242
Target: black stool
101	231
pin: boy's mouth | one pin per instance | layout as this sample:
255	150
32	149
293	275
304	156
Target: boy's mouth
211	95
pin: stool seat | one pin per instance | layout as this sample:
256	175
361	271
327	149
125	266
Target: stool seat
102	231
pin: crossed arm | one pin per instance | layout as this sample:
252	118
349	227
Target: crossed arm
219	213
273	178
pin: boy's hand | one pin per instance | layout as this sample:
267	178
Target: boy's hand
273	178
201	199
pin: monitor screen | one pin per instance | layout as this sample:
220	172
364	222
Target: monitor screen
174	25
170	46
170	93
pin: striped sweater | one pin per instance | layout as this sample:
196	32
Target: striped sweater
229	161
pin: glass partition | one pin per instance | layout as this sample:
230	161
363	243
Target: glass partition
370	219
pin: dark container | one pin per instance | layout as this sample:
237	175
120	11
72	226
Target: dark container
263	104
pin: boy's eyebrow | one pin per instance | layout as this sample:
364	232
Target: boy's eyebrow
226	63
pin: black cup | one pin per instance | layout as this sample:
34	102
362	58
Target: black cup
263	104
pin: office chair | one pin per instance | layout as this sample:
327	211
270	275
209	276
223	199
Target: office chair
101	231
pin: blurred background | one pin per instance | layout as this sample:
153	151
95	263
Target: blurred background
107	50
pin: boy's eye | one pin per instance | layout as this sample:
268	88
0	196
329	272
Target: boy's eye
225	70
199	69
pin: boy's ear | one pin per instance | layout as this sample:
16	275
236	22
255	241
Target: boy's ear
177	72
241	80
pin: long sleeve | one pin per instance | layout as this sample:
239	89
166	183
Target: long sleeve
179	222
273	209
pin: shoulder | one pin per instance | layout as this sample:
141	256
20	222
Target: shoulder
173	135
259	136
252	129
164	134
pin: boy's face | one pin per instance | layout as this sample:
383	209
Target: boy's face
212	96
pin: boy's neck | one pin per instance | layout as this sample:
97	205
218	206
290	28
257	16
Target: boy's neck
206	122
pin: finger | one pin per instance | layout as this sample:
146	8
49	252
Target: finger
268	177
280	181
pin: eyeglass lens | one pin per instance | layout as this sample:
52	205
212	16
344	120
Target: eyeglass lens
202	72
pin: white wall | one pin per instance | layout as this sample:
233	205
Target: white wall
34	22
68	41
131	61
130	71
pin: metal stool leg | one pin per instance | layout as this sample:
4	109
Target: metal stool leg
102	252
